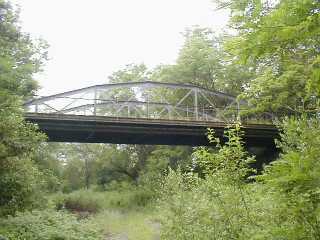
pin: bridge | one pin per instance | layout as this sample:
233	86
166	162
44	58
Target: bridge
144	113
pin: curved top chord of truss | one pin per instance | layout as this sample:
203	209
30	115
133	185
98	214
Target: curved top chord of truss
146	84
204	103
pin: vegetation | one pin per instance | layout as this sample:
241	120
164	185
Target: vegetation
98	191
19	59
282	203
280	41
48	225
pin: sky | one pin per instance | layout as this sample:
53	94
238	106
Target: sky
91	39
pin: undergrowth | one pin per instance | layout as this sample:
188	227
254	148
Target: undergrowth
131	224
49	225
91	201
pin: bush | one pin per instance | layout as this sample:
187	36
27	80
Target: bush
89	201
80	201
21	182
217	206
21	187
207	209
284	202
48	225
135	197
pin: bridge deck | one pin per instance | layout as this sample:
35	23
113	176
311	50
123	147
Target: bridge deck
97	129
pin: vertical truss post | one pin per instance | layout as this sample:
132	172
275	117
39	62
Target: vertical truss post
95	95
238	111
36	108
169	112
203	112
128	111
196	104
187	112
147	103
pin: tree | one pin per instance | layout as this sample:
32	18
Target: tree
116	166
280	41
198	62
199	59
49	161
217	205
20	58
202	61
130	73
123	163
294	180
164	157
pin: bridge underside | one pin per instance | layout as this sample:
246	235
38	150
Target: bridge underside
94	129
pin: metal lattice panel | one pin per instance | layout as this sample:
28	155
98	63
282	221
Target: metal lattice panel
153	100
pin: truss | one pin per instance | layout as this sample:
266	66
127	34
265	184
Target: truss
154	100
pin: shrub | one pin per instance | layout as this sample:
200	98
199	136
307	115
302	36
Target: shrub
91	202
284	202
215	206
48	225
80	201
21	187
136	197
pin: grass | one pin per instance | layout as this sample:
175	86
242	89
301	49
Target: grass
125	214
132	225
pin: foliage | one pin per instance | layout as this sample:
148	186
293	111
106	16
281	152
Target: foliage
20	58
203	62
283	202
125	196
80	202
161	159
48	225
231	161
280	41
122	163
198	60
73	175
295	177
273	60
20	55
130	73
48	158
213	206
122	195
80	165
133	198
20	180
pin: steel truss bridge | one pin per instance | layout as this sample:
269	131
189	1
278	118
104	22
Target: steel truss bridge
142	113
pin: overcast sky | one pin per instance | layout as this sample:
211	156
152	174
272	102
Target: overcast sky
91	39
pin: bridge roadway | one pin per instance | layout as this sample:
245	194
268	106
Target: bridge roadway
98	129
